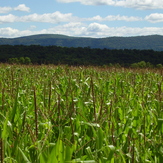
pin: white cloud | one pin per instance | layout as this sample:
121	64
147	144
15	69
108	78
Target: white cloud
138	4
9	32
5	9
71	29
114	18
22	7
55	17
79	29
32	27
58	17
102	30
154	18
90	2
96	27
8	19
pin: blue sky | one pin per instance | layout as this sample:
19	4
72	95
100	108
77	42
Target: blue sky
81	18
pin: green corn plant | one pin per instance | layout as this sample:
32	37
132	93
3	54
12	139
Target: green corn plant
80	114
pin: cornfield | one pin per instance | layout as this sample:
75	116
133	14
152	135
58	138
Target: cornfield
63	114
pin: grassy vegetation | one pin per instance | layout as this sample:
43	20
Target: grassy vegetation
67	114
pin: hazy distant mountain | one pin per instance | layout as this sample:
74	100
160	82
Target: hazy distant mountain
154	42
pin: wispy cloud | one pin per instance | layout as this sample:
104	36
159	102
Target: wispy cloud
95	30
55	17
138	4
154	17
90	2
22	7
5	9
58	17
8	19
114	18
103	30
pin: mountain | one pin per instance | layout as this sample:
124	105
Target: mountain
154	42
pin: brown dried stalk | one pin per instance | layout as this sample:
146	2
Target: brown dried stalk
31	134
36	114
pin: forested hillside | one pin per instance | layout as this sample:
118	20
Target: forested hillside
79	56
154	42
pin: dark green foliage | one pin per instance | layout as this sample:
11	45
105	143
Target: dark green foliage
27	60
13	60
143	64
140	64
159	66
21	60
37	54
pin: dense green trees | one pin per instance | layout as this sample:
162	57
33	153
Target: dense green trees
143	64
37	54
21	60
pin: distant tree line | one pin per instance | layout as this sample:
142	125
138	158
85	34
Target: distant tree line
37	54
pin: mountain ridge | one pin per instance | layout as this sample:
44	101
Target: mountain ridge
154	42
